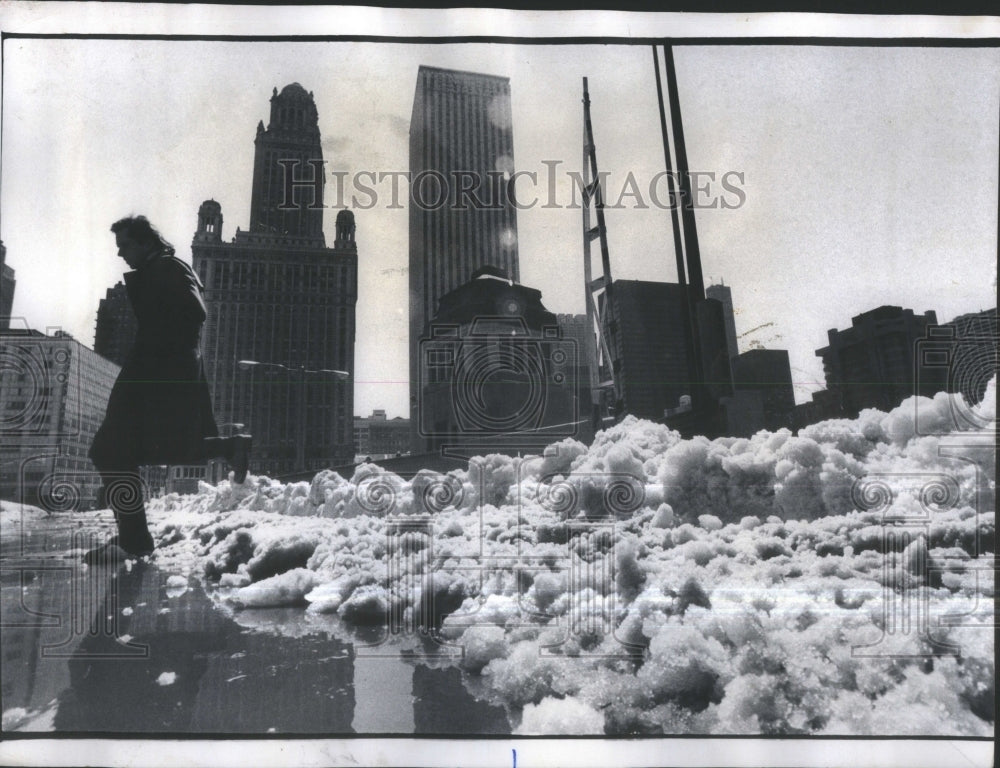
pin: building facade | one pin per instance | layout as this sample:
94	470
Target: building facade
724	295
652	361
277	296
116	326
461	215
768	373
53	395
495	370
872	363
649	353
378	437
970	346
7	284
823	405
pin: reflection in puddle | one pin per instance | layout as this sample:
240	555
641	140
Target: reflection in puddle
134	651
383	695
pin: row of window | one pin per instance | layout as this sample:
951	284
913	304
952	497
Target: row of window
230	275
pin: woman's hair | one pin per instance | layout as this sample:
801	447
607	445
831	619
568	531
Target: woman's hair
138	229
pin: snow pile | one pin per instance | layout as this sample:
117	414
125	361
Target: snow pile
649	584
13	513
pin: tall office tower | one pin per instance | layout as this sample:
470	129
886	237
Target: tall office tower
461	217
277	296
116	325
7	284
722	294
871	364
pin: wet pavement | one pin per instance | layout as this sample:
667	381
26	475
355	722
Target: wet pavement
129	649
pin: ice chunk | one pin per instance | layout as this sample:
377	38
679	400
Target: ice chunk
555	717
289	588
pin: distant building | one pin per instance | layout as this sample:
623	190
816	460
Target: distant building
277	295
767	373
495	369
649	350
871	364
576	328
53	396
116	327
461	217
646	328
724	295
970	360
186	478
377	437
7	284
823	405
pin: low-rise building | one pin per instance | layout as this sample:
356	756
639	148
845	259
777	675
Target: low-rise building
379	437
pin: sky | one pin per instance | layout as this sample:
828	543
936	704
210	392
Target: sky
869	174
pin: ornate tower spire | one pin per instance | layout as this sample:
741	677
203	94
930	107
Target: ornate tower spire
288	174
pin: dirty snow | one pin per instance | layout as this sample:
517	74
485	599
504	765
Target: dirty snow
648	584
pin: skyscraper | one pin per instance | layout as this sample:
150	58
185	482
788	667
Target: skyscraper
277	296
461	156
116	325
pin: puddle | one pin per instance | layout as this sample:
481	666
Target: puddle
112	649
